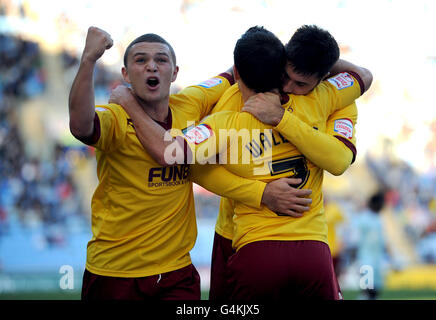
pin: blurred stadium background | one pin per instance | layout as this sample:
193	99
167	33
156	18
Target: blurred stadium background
47	178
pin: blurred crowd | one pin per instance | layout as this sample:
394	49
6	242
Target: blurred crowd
411	197
105	79
390	230
36	192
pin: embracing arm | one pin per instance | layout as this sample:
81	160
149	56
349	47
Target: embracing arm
324	150
327	151
279	195
170	150
161	146
346	66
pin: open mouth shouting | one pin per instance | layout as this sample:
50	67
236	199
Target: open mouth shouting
152	83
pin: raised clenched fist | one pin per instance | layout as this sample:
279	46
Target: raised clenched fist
97	42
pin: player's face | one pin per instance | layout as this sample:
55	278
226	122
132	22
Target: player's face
296	83
150	70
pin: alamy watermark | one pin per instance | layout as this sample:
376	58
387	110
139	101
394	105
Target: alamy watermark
66	282
366	277
224	146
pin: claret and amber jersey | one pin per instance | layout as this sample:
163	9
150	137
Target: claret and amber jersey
257	151
143	216
340	124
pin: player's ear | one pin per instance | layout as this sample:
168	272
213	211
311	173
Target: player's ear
175	73
125	74
236	74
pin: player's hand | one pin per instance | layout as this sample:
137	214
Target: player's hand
123	96
266	107
97	42
279	196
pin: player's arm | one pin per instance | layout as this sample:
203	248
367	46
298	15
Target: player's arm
279	195
330	151
153	137
267	108
165	147
333	150
199	99
364	75
324	150
81	98
333	94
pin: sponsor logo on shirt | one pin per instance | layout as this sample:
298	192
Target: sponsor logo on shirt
168	176
210	83
198	134
342	80
344	127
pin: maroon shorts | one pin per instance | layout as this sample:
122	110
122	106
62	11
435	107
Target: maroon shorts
181	284
278	270
221	252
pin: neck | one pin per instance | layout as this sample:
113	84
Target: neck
245	92
156	110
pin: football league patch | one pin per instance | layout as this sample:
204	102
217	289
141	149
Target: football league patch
210	83
198	134
342	80
344	127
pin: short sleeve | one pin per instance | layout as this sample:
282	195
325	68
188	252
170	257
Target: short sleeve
338	92
209	138
200	99
113	122
342	125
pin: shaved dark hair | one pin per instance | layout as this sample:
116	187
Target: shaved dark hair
149	37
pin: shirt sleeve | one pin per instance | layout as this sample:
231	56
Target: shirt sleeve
110	127
342	125
327	150
217	179
338	92
205	141
201	98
